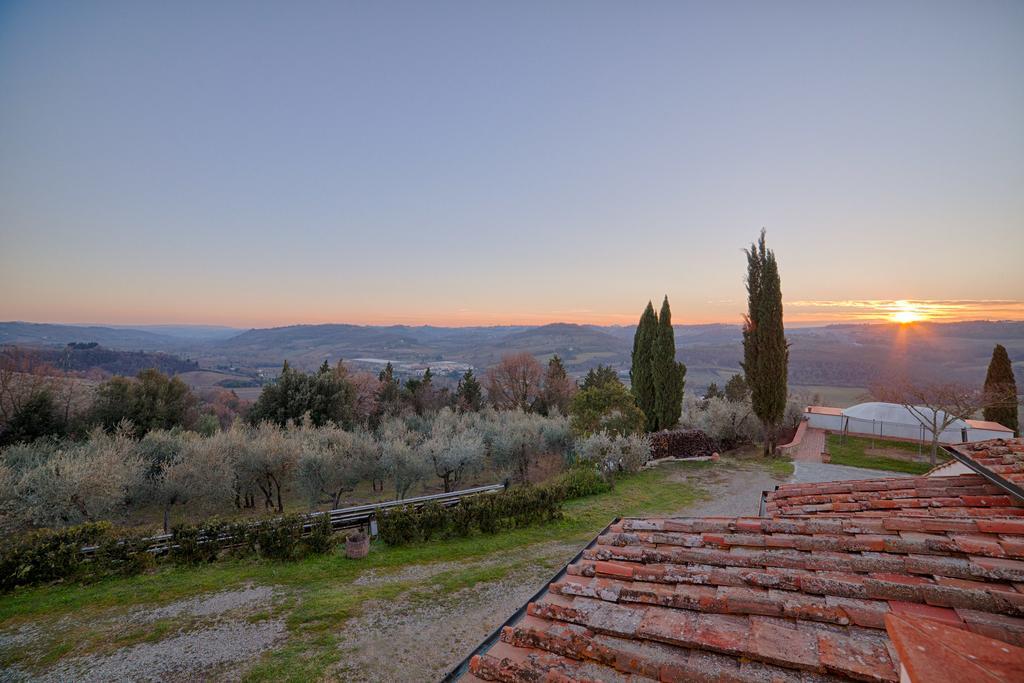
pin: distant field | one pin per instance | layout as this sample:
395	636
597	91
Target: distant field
248	393
836	397
206	379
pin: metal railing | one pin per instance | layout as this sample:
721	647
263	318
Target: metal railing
341	518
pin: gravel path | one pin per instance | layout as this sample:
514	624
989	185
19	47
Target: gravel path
418	637
736	492
215	639
184	657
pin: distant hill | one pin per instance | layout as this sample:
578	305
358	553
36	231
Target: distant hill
86	357
45	334
851	355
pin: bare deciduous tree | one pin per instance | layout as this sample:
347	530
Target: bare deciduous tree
936	405
515	382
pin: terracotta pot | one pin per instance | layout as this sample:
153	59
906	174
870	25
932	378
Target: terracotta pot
357	546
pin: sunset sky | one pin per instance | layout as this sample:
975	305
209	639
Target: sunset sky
255	164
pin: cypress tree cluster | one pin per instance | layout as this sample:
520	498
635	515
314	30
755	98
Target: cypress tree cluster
765	351
657	378
641	371
1001	391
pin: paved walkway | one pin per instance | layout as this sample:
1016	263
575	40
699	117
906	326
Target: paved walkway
810	445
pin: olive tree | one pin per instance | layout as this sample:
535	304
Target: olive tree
332	462
615	453
455	447
199	474
82	482
268	462
515	439
402	458
730	423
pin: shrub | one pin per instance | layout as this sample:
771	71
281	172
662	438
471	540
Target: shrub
321	536
582	479
200	544
611	453
277	539
516	507
433	520
399	525
51	555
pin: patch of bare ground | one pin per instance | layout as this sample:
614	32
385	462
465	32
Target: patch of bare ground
423	633
213	636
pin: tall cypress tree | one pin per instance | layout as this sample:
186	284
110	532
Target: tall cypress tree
1001	391
669	375
641	374
765	351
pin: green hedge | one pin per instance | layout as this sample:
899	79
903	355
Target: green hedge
51	555
489	513
55	554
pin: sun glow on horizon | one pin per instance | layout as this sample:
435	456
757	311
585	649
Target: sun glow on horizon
904	312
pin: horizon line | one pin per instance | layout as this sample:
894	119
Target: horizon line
269	326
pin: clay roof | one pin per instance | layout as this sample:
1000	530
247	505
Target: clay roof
1003	458
991	426
931	651
801	598
965	495
824	410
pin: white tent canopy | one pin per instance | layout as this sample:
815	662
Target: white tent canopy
897	414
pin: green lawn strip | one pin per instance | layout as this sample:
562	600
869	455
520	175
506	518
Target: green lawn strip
324	595
852	453
780	467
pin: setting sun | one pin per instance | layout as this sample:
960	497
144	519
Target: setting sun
905	312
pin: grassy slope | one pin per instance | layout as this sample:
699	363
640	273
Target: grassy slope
852	453
321	593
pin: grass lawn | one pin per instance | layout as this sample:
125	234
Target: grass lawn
320	591
858	452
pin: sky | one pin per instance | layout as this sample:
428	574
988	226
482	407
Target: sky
464	163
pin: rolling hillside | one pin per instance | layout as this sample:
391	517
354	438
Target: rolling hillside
834	355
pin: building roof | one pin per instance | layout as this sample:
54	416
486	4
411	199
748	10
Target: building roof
824	410
1000	459
988	426
801	598
965	495
931	651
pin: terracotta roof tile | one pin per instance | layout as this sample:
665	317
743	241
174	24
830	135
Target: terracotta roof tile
1003	457
933	651
965	495
794	598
